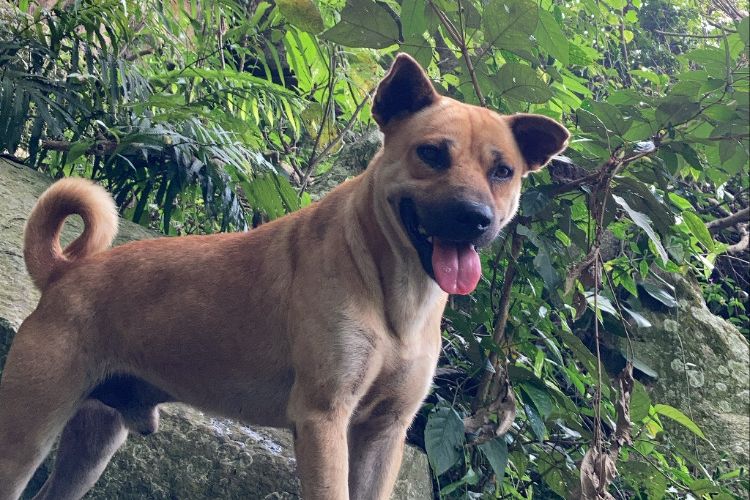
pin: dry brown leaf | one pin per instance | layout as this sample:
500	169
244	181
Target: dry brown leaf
504	410
622	407
597	471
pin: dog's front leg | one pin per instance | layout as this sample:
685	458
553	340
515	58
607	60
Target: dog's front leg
320	444
375	450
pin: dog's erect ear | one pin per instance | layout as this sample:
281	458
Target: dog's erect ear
539	138
404	90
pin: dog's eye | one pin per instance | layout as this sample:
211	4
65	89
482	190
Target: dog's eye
502	172
436	156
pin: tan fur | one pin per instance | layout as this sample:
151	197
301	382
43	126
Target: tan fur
42	250
323	321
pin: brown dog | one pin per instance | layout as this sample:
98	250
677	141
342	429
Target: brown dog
326	321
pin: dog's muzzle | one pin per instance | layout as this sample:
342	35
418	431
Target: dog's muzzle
446	236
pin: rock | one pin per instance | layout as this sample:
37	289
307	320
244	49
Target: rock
193	455
701	362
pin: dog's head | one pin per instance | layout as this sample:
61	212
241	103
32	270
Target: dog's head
451	173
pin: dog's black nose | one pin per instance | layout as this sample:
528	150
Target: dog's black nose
474	215
467	220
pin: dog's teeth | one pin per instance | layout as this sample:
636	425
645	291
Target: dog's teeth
429	239
421	230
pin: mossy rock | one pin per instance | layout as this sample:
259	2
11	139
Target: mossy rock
701	363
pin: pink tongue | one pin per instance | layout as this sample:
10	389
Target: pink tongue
456	266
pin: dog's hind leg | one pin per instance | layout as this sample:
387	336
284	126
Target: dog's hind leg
87	443
42	385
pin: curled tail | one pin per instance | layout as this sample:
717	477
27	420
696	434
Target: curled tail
41	249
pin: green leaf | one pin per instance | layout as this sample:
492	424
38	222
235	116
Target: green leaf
271	194
77	149
535	422
660	294
543	265
647	74
444	438
551	37
644	222
521	82
642	475
674	112
586	358
173	189
638	195
452	487
727	149
616	4
574	84
590	123
736	163
470	478
509	23
579	56
303	14
413	20
699	229
638	318
603	303
610	116
743	28
539	397
533	201
680	418
639	402
496	452
641	366
680	202
364	24
419	48
222	76
712	59
721	112
704	487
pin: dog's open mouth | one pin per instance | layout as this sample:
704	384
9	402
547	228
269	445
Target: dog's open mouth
454	265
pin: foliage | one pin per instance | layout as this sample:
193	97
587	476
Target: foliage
204	116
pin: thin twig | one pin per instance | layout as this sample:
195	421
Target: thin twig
631	349
502	318
458	39
598	394
686	35
347	127
624	52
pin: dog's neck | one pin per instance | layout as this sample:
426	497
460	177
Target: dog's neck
409	295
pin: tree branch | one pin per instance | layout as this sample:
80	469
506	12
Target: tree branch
719	224
98	148
740	246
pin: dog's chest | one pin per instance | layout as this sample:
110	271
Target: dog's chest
403	379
